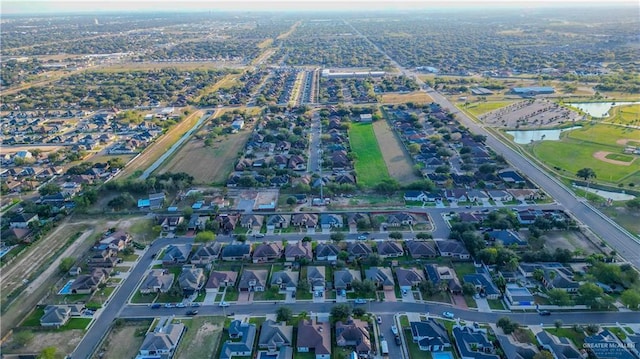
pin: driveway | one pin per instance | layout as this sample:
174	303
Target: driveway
409	297
483	305
390	296
245	297
458	301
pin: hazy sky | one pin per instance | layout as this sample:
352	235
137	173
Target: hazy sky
88	6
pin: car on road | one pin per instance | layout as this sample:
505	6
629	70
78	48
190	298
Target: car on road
448	315
379	320
360	301
181	305
155	305
398	341
223	304
362	237
168	305
195	304
258	235
394	330
544	313
192	312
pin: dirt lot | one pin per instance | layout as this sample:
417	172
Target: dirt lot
415	97
398	162
123	342
208	164
571	240
202	338
13	149
530	114
65	342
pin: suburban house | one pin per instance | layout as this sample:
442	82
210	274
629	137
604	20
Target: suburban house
22	220
250	221
415	196
106	258
253	280
473	344
316	278
606	345
58	315
381	276
452	248
298	250
170	224
475	195
359	250
236	252
358	220
560	347
267	252
218	280
191	280
483	284
206	253
438	274
511	176
242	334
162	341
227	222
430	335
328	221
354	333
306	220
343	278
516	350
408	278
157	281
555	275
389	249
327	252
278	221
525	194
285	280
500	195
422	249
455	195
400	219
314	337
176	254
274	336
88	283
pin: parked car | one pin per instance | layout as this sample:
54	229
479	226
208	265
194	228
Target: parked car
448	315
544	313
379	320
360	301
258	235
223	304
362	237
168	305
181	305
394	330
398	341
155	305
192	312
195	304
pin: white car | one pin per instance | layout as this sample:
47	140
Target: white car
448	315
223	304
181	305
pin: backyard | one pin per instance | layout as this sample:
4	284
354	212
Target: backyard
369	163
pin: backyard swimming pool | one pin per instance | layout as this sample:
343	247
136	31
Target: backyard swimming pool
66	289
441	355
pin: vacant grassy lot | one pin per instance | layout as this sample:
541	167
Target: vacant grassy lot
624	217
571	240
415	97
202	338
102	158
160	146
603	134
64	341
398	162
625	115
369	163
479	108
123	341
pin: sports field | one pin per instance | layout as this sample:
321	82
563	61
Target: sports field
479	108
596	146
369	163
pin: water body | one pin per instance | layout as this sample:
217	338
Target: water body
616	196
524	137
598	109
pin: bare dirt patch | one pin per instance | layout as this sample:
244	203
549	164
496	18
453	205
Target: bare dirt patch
602	156
13	149
123	341
397	160
415	97
625	141
65	342
201	340
571	240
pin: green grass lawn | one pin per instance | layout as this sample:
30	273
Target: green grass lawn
604	134
33	320
620	157
618	332
414	350
128	258
76	323
479	108
626	115
142	298
268	295
196	345
496	304
369	163
298	355
575	337
462	269
231	295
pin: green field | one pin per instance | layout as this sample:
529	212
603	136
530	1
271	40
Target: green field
625	115
369	163
576	150
479	108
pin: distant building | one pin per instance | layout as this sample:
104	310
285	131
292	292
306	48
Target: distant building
532	91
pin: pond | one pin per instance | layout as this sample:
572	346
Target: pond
524	137
615	196
598	109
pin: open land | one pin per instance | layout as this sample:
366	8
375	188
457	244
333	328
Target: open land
571	240
398	163
123	340
370	165
416	97
202	338
482	107
64	341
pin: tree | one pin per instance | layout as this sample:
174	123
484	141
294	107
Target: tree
365	288
22	338
543	354
66	264
340	312
424	235
586	173
592	329
337	236
507	325
49	189
590	294
359	312
116	163
48	353
284	314
558	324
468	289
241	238
427	288
633	204
630	298
395	235
205	236
559	297
303	286
291	201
